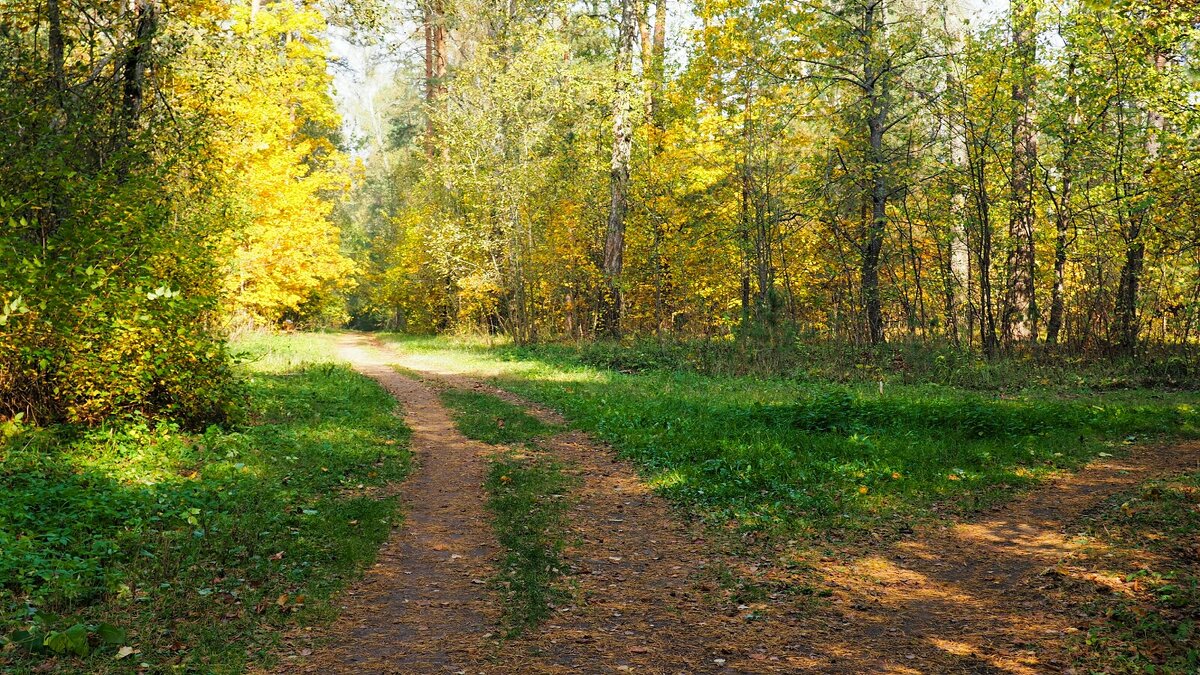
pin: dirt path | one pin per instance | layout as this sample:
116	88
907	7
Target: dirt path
978	597
981	597
633	565
423	607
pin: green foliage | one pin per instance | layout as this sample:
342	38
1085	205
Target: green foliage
156	165
43	634
220	535
821	458
107	217
490	419
792	165
115	311
527	496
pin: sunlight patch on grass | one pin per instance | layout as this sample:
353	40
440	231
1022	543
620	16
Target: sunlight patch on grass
667	480
822	459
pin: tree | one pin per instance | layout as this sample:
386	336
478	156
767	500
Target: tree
1020	304
618	181
857	170
435	66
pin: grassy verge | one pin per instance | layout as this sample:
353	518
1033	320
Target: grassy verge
824	459
1143	618
493	420
527	495
900	363
145	547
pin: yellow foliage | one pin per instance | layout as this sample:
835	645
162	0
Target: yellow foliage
275	148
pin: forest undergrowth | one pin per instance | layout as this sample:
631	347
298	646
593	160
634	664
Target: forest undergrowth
136	546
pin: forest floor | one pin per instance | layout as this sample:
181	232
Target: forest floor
1009	588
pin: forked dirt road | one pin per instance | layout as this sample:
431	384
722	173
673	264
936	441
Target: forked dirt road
976	597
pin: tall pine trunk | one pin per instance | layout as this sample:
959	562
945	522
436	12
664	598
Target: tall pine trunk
435	68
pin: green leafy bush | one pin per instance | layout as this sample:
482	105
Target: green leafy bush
110	217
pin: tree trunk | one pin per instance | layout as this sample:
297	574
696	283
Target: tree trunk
957	299
1135	251
134	80
1062	216
958	265
983	210
876	95
1020	308
647	49
744	223
658	64
622	148
872	305
57	48
435	68
1061	229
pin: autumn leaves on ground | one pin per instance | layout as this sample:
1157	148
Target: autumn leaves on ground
558	516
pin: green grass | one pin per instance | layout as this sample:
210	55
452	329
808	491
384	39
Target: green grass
198	546
528	499
493	420
898	363
1150	627
805	457
527	495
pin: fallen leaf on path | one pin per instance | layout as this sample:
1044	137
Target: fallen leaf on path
124	651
